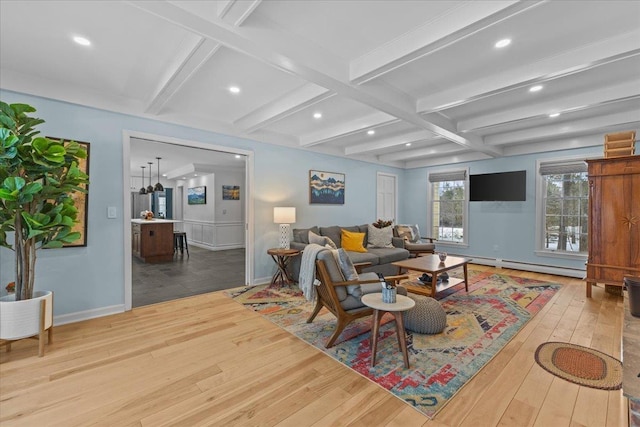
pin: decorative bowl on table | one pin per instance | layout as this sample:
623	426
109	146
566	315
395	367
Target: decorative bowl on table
442	256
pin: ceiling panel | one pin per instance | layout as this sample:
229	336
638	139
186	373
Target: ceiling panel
122	58
207	94
420	70
348	28
550	29
335	111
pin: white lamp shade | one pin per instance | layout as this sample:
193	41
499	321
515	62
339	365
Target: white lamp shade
285	215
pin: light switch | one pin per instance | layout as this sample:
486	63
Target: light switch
111	212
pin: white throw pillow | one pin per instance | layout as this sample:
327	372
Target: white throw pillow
321	240
380	237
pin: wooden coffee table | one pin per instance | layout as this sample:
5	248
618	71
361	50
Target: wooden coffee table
431	264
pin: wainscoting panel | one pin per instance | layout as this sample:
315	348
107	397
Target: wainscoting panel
215	235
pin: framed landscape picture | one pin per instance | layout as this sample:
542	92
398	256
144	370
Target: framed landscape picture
197	195
326	188
230	192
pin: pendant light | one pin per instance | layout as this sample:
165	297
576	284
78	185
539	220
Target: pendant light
158	186
142	189
150	187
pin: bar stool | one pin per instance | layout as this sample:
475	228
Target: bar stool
180	242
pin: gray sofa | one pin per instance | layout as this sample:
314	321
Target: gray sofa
380	258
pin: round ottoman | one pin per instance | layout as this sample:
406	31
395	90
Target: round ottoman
427	317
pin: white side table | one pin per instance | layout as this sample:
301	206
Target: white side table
379	308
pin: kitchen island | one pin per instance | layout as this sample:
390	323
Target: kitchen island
152	240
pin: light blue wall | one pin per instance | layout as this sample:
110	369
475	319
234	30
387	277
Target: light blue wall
93	277
509	227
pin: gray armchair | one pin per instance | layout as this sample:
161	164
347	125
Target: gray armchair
413	242
342	297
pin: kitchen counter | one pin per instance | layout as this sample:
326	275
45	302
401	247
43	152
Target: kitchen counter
152	240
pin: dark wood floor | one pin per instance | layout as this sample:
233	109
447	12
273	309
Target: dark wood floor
203	271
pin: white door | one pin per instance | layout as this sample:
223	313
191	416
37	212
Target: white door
387	197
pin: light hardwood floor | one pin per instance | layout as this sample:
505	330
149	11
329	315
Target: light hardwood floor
207	360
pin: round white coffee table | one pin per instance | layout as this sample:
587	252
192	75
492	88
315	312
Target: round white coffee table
379	308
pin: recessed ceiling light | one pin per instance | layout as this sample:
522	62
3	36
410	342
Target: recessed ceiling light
408	144
238	156
554	115
317	115
234	89
82	41
184	177
535	88
164	174
195	174
371	132
503	43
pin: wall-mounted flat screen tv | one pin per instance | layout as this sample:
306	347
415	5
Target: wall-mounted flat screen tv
498	187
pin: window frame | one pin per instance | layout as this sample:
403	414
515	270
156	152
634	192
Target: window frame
465	209
540	213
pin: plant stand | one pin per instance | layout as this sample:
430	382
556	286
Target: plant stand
32	318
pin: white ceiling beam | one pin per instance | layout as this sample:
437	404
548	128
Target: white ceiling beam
458	23
580	100
606	51
235	11
294	101
446	160
436	150
555	130
573	143
310	65
180	73
200	51
381	144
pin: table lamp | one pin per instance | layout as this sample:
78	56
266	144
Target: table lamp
284	216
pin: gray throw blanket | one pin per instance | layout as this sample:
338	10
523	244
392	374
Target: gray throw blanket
307	276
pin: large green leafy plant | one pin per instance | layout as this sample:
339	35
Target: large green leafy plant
38	175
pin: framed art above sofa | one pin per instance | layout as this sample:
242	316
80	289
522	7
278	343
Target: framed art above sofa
326	188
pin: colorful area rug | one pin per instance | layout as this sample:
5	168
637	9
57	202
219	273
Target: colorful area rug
479	325
580	365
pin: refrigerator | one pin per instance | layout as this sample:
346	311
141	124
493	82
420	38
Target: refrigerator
162	204
139	203
158	202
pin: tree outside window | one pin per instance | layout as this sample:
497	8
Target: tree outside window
565	207
448	206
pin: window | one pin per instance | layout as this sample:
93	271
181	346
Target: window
449	206
563	207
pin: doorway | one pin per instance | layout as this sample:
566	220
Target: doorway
203	256
387	197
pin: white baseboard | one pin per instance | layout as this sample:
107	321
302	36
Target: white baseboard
79	316
261	280
537	268
214	248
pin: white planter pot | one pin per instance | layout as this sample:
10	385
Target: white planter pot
26	318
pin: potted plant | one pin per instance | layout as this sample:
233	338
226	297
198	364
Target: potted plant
38	175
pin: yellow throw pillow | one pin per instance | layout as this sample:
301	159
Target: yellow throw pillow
352	241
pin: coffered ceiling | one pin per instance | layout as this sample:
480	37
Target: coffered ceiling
402	83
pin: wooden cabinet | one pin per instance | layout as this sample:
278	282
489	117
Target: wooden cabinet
614	220
152	241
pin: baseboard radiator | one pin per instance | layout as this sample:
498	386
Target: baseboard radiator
519	265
